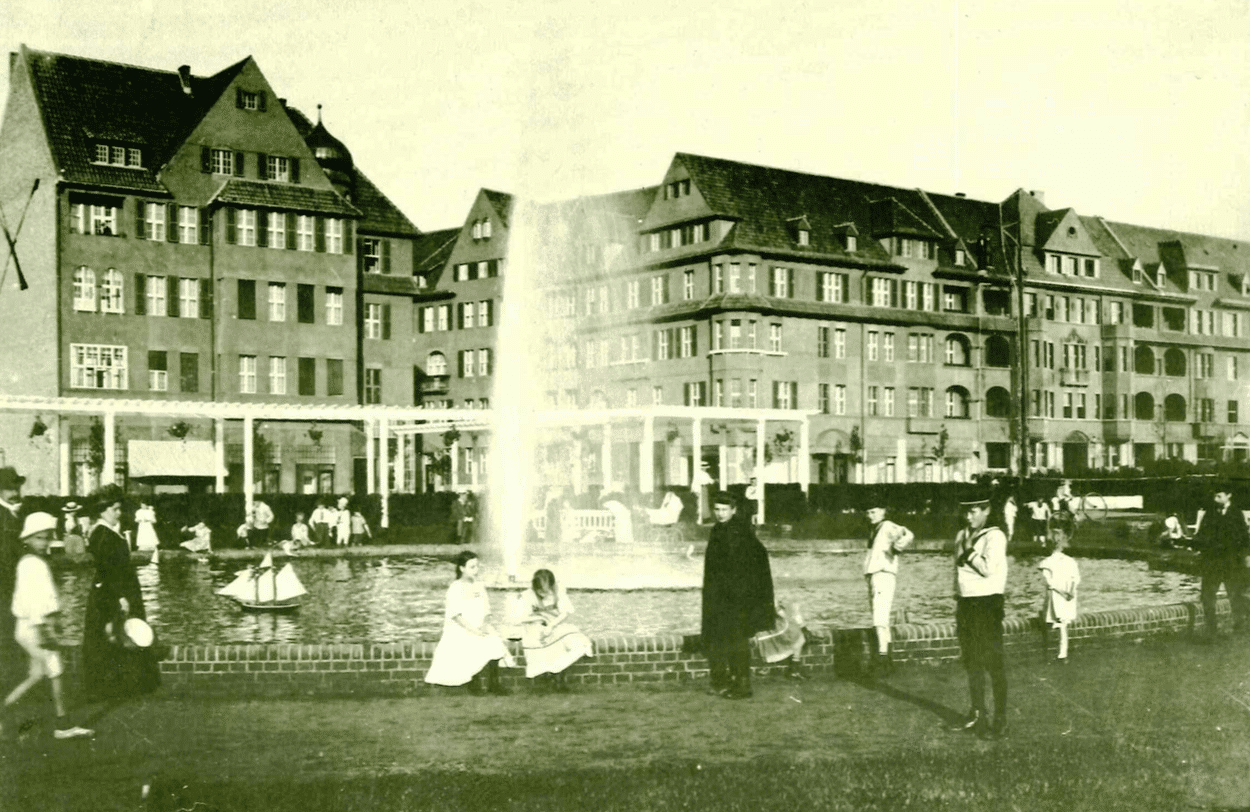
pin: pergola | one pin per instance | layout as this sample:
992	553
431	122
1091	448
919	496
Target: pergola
403	422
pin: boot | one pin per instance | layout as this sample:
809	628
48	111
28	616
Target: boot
493	685
972	723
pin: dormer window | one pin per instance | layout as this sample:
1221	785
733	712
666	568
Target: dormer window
1091	267
852	242
1201	280
117	155
804	237
278	168
912	247
959	257
676	189
249	100
1160	276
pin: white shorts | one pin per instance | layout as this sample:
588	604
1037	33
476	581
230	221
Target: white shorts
881	593
43	662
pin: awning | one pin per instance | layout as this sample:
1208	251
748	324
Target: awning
176	458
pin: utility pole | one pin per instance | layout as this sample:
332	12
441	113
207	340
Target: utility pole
1022	335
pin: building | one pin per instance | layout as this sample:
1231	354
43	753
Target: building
190	238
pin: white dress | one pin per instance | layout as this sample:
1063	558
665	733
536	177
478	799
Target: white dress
565	643
460	654
145	539
1062	576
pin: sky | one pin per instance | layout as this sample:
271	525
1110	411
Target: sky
1134	111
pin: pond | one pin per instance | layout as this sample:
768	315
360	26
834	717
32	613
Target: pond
401	599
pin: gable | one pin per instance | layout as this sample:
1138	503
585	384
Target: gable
1064	234
678	200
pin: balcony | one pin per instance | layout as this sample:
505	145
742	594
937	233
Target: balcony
1114	331
924	425
435	384
1073	377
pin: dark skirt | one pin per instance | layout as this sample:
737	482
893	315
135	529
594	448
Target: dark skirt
111	671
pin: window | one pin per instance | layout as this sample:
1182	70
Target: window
735	277
887	401
957	351
955	300
1205	368
822	342
277	374
334	306
873	344
780	284
189	298
688	347
373	321
1206	410
1231	367
839	342
957	403
221	162
155	291
444	317
277	301
158	371
687	284
484	314
998	402
153	221
305	232
103	220
118	156
483	361
872	401
189	372
919	401
852	242
634	293
880	291
334	235
247	374
833	287
275	230
373	385
774	338
84	289
998	352
804	237
1232	411
659	290
785	394
839	399
695	393
277	168
308	376
371	259
245	220
188	225
887	347
920	348
436	364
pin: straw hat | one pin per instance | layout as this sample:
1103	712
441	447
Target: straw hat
38	523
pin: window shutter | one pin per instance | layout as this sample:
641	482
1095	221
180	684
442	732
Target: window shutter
490	361
238	164
262	228
171	285
140	234
260	101
360	256
772	281
231	229
460	363
206	298
347	237
295	170
247	299
206	226
655	345
460	315
666	289
206	160
386	256
694	340
893	293
171	222
262	166
386	322
141	294
238	97
319	242
421	319
492	269
290	231
790	282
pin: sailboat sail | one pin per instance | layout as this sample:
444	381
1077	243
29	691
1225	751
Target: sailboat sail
288	585
241	587
265	586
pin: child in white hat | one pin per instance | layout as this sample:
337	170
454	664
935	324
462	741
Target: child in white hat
35	611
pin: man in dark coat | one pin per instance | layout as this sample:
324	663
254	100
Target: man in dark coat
12	658
1224	542
737	598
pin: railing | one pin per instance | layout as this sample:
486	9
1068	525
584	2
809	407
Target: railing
435	384
585	521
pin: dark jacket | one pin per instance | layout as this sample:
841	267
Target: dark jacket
737	584
1223	535
110	671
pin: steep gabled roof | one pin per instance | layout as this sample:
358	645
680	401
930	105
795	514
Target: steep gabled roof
283	197
432	250
84	101
502	203
380	214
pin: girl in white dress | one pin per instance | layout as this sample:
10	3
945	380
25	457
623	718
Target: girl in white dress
470	644
1062	578
145	518
551	643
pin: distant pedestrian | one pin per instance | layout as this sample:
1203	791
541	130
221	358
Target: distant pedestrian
146	539
360	529
321	523
737	598
342	523
11	551
1063	576
463	517
1224	542
980	580
470	646
1039	517
1010	509
551	643
36	612
262	517
885	541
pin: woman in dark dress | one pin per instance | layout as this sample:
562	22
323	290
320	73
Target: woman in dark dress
113	670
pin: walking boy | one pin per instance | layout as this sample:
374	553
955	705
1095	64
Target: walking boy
1062	578
885	541
1225	544
35	610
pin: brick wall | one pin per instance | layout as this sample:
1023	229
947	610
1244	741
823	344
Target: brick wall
398	669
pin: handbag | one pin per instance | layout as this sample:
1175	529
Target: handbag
786	639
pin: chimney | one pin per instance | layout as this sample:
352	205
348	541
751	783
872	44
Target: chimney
282	102
960	194
1038	195
184	77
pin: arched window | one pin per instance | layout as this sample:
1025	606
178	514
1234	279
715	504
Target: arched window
436	364
111	290
84	289
997	352
997	402
1143	406
1174	362
1144	361
957	351
957	402
1174	409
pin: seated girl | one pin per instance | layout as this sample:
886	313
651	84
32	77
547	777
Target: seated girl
550	642
470	645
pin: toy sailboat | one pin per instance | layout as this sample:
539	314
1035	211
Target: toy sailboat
266	588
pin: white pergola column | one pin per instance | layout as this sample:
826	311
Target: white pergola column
605	457
475	473
805	456
370	472
900	460
696	457
722	465
646	459
384	469
219	455
249	475
455	464
761	439
109	475
401	462
65	470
